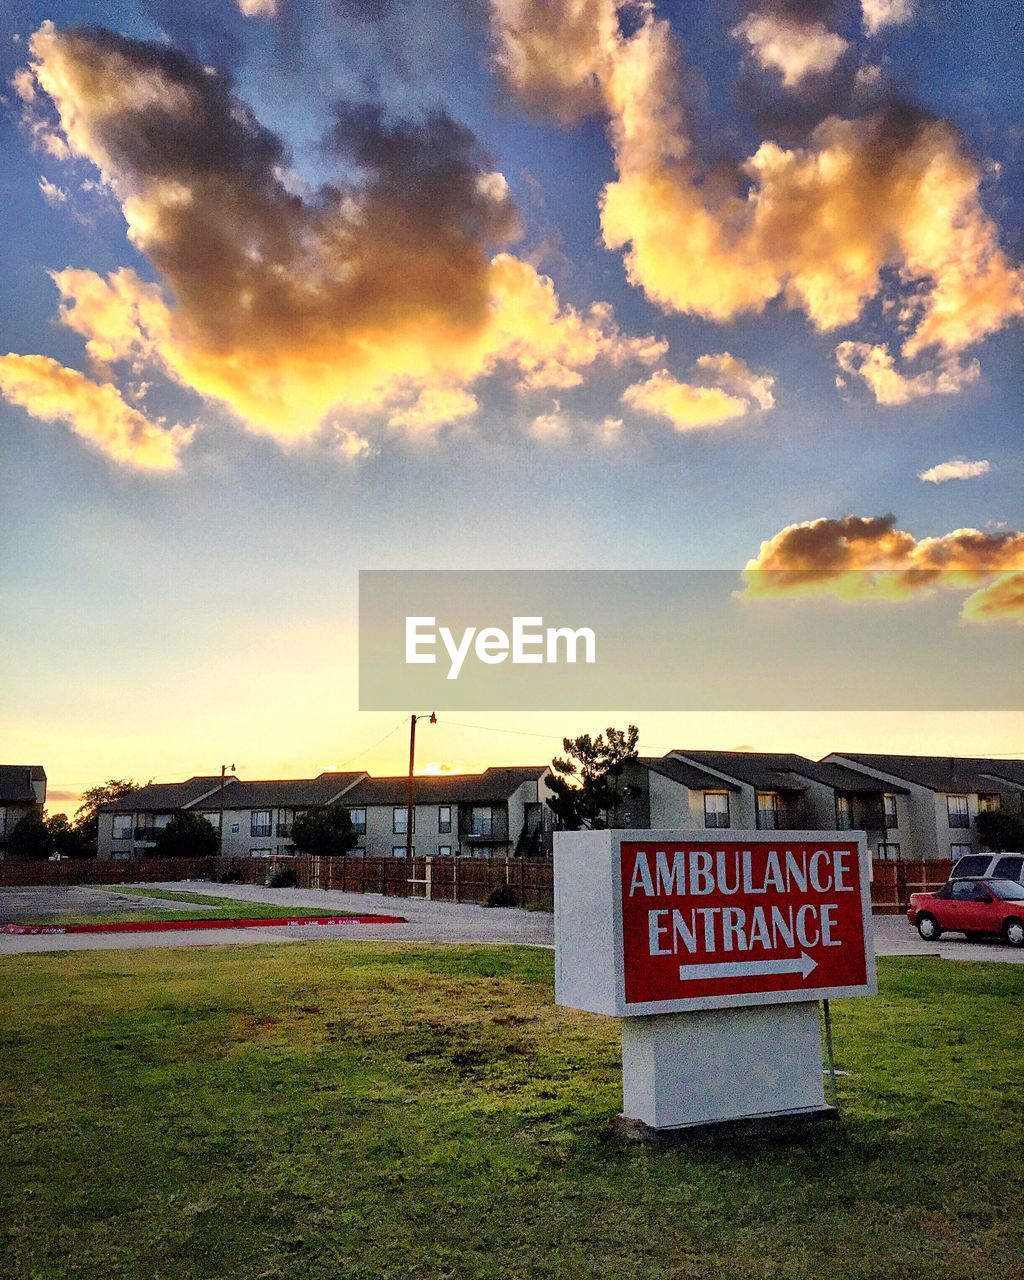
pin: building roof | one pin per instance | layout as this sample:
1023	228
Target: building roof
784	770
16	782
492	785
957	774
165	797
202	793
281	793
687	775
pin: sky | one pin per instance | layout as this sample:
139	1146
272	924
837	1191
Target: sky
296	289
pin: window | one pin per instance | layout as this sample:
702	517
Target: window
988	804
161	820
970	866
767	811
1011	868
957	811
889	814
444	851
483	820
889	852
122	826
261	853
357	853
358	817
959	851
444	819
260	823
398	851
970	891
213	819
844	813
120	855
716	808
399	823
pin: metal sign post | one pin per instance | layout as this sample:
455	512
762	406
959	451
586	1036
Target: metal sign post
714	951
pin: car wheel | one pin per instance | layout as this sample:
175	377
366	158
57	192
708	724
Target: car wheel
928	927
1013	932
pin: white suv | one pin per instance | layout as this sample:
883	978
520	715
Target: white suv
989	866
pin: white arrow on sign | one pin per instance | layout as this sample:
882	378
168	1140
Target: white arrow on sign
748	968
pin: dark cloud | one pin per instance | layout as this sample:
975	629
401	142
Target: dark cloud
242	251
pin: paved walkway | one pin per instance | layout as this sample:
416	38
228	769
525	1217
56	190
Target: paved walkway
427	922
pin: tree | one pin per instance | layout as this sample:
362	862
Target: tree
87	815
588	785
64	838
324	830
998	831
187	835
31	837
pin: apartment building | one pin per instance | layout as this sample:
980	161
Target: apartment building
22	791
498	812
910	807
942	797
764	791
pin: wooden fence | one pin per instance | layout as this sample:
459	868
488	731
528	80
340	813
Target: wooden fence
892	883
439	879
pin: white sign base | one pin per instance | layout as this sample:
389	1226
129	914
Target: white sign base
720	1065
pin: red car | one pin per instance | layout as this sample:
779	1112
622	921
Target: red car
971	907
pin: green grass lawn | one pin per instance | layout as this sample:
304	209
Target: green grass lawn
390	1111
214	908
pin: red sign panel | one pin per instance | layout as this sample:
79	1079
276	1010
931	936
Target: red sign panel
707	920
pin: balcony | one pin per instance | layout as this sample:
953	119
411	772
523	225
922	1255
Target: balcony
260	832
284	830
145	835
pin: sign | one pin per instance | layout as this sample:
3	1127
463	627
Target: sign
711	920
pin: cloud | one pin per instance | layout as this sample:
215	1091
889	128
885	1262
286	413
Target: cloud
554	54
1002	600
434	407
956	469
890	386
734	374
885	206
95	411
877	14
258	8
52	194
793	48
730	391
288	304
552	427
866	558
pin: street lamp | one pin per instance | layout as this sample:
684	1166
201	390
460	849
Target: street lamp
410	788
223	782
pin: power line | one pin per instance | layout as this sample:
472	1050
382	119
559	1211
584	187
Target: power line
372	747
524	733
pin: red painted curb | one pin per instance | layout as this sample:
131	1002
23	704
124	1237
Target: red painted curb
158	926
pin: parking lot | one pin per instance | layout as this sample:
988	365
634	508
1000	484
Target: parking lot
425	922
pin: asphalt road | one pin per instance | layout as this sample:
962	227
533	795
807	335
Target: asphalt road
426	922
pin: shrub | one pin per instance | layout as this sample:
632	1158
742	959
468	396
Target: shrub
230	875
502	895
282	878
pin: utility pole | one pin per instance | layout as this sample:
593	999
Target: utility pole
410	790
223	780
